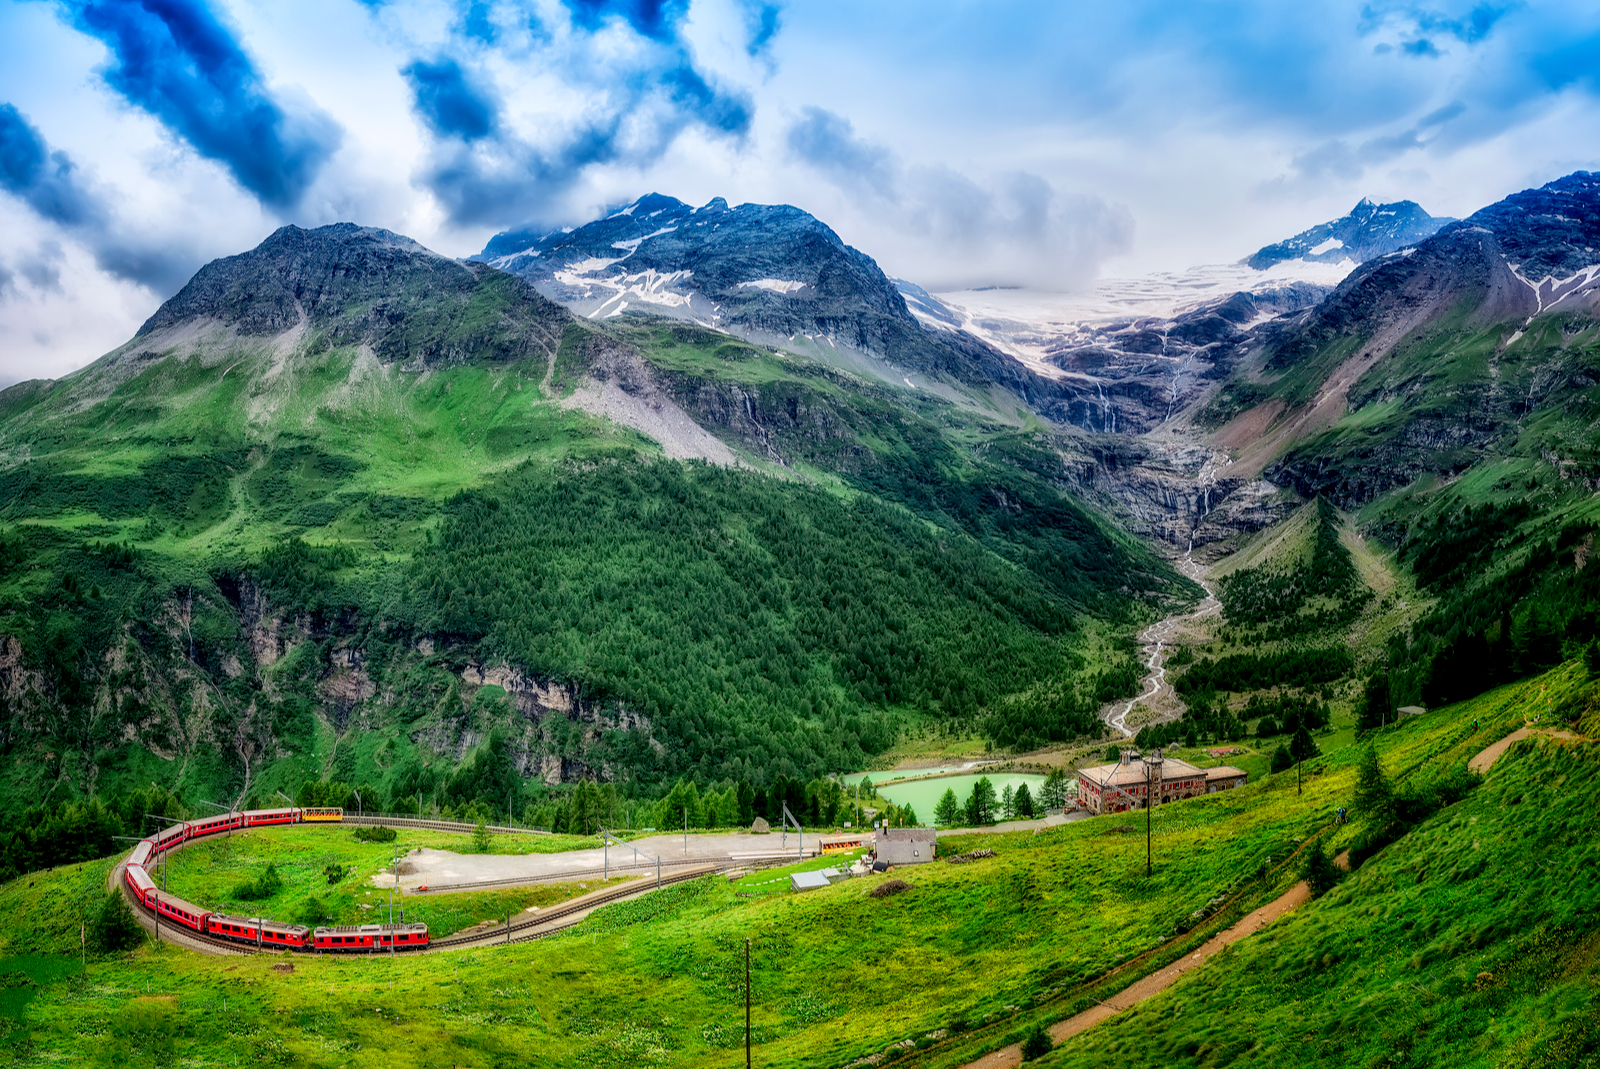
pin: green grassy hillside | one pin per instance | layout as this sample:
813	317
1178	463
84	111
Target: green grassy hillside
1469	942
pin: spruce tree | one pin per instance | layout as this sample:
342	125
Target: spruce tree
1022	804
948	811
1372	789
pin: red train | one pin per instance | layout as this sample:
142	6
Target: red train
256	931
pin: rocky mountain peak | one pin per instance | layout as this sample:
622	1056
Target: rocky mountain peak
772	273
1370	230
365	285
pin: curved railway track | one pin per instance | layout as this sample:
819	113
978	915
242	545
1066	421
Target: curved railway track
567	914
548	922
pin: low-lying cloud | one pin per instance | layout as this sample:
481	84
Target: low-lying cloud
57	191
1016	230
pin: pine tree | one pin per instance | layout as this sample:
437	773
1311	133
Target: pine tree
1373	794
1053	795
1376	710
1008	802
112	926
1022	804
1302	747
981	802
948	811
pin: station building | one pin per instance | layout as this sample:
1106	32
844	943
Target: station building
1119	787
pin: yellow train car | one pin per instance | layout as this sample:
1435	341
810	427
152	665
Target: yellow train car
321	814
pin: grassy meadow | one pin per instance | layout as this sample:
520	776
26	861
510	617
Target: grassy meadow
969	955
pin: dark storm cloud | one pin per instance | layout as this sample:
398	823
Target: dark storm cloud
448	101
722	112
49	183
829	143
656	19
175	60
46	181
496	180
763	21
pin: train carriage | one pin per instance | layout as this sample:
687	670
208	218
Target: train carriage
142	853
258	931
175	910
215	825
351	939
325	813
255	818
140	883
167	838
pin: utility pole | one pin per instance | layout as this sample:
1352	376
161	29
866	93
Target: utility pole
747	1004
1152	764
394	867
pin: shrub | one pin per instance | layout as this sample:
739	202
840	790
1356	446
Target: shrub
889	887
314	912
376	834
112	926
1037	1044
482	841
268	885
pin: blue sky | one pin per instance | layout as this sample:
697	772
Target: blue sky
960	143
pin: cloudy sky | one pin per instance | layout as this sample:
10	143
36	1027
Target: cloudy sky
960	143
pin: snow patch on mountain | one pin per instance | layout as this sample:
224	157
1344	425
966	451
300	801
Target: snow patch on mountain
776	285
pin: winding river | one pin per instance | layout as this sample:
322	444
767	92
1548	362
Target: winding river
1153	640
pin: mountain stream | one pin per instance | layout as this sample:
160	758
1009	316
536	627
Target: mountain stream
1153	641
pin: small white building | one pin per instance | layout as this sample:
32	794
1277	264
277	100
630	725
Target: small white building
807	881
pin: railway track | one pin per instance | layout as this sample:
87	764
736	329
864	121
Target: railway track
172	933
424	824
553	920
583	874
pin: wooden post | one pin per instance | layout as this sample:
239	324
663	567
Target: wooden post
747	1004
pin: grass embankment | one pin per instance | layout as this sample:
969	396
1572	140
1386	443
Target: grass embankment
1469	942
212	874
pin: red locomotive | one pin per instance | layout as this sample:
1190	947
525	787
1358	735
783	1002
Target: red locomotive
257	931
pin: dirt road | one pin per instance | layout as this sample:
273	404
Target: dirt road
1490	754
